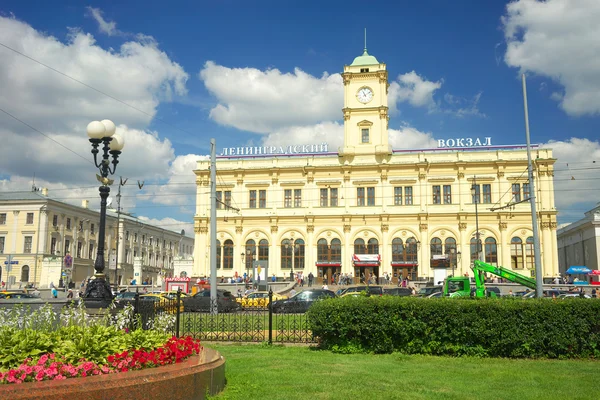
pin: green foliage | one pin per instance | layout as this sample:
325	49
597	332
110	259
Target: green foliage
459	327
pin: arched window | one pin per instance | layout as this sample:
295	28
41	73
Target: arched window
398	253
322	250
336	250
474	252
529	253
359	247
449	244
286	254
411	250
299	254
436	246
293	249
218	253
491	251
228	254
250	254
263	250
25	273
516	253
373	246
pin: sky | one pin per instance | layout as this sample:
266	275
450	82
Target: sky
172	75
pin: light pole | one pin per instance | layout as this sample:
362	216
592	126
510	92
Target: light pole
294	246
103	133
475	194
454	258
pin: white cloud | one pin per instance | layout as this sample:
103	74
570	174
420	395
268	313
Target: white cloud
461	107
264	101
110	28
558	39
408	137
180	188
414	89
329	132
170	224
139	73
575	177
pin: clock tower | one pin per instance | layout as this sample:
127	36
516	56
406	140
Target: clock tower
365	107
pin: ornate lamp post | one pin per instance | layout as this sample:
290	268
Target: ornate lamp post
103	132
454	258
294	246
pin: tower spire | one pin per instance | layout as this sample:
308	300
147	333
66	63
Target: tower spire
365	40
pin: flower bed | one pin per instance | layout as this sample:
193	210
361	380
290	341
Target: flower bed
53	367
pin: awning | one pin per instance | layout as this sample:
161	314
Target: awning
594	272
404	264
328	264
576	270
366	260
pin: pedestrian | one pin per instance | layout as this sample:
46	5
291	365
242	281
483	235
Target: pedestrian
35	292
70	294
310	279
54	292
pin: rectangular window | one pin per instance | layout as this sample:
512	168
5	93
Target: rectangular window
2	239
91	251
526	193
370	196
92	229
228	198
53	245
333	194
324	198
27	244
68	223
126	235
135	237
437	196
516	192
262	199
55	220
487	193
29	218
476	197
398	196
79	249
219	201
287	198
365	135
67	246
408	195
3	219
297	198
360	196
252	202
447	194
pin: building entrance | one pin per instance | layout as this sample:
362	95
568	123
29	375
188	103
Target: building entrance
362	274
327	272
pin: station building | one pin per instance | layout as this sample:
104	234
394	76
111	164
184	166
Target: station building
368	208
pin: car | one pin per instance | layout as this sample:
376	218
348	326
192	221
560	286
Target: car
172	295
574	296
488	292
353	294
548	293
428	290
200	302
398	291
435	295
370	289
259	299
17	295
162	303
301	302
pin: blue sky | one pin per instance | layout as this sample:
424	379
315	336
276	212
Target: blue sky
268	72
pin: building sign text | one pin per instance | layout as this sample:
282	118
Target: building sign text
465	142
275	150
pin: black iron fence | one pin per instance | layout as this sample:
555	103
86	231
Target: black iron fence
226	318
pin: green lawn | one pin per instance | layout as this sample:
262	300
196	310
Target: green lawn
298	372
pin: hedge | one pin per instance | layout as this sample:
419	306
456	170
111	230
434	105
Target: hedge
456	327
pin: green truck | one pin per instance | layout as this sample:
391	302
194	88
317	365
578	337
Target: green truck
458	286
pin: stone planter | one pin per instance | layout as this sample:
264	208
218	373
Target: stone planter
194	378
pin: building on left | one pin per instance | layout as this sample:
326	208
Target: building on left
45	240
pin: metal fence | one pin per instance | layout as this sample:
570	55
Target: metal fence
227	320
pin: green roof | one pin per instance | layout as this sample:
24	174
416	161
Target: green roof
365	59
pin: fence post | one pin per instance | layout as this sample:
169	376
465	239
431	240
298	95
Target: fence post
270	315
137	315
178	312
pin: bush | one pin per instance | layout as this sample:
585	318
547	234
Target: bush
457	327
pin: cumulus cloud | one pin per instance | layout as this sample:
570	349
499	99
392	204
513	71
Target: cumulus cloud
558	39
109	28
330	132
408	137
414	89
171	224
264	101
138	73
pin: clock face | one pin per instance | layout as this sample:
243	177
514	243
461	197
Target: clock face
364	95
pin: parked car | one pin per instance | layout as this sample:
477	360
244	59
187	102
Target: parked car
17	295
398	291
258	299
435	295
428	290
549	293
301	302
161	303
489	290
574	296
371	290
200	302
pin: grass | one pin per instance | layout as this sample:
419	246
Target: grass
300	372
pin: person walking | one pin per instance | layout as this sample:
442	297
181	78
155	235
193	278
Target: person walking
310	279
54	292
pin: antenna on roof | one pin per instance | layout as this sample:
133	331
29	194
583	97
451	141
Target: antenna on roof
365	39
33	187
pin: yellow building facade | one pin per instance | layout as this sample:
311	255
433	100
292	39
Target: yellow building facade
368	209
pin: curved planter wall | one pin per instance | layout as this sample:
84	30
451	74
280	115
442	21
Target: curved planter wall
191	379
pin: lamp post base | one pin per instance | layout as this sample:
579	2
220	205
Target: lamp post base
98	290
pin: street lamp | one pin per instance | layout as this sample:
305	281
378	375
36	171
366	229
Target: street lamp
454	258
294	246
103	132
475	194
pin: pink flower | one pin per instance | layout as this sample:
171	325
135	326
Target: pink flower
59	377
43	359
39	376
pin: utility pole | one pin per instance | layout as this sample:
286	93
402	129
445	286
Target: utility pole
121	183
213	227
539	279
